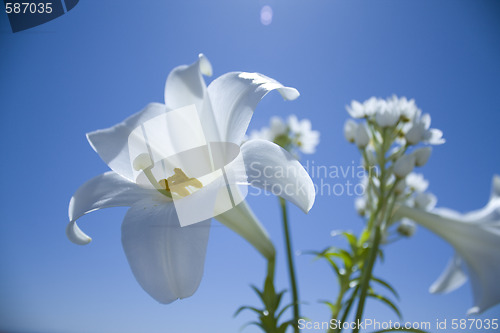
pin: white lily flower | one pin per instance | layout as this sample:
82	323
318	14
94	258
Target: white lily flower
404	165
422	155
475	237
166	259
350	128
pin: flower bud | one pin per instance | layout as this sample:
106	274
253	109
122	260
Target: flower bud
407	228
360	205
415	134
350	127
371	158
425	201
362	137
400	186
422	155
404	165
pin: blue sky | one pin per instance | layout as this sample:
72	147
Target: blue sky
101	62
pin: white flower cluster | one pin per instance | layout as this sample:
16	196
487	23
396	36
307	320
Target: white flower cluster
292	135
397	113
387	140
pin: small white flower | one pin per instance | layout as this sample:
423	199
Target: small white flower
408	108
350	127
362	137
404	165
278	127
417	182
387	114
263	134
372	105
419	131
476	239
356	110
422	155
305	138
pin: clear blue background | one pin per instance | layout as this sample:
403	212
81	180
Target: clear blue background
105	60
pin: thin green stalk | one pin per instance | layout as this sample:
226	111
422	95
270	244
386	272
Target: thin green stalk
367	273
348	308
291	267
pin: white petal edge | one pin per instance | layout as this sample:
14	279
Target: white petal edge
495	187
235	96
166	259
185	84
452	277
112	143
104	191
270	167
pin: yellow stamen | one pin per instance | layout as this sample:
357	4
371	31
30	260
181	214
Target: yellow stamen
179	183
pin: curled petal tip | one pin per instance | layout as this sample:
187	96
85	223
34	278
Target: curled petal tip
76	235
433	289
474	310
205	65
288	93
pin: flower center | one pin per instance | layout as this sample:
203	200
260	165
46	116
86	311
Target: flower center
179	183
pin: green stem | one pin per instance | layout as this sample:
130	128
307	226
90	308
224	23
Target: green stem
367	273
348	308
291	268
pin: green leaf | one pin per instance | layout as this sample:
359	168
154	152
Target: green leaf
387	302
283	311
344	256
387	285
259	312
333	307
365	236
353	242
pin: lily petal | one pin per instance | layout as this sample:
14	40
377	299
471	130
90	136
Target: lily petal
234	97
243	221
476	238
112	143
452	277
166	259
185	86
272	168
104	191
